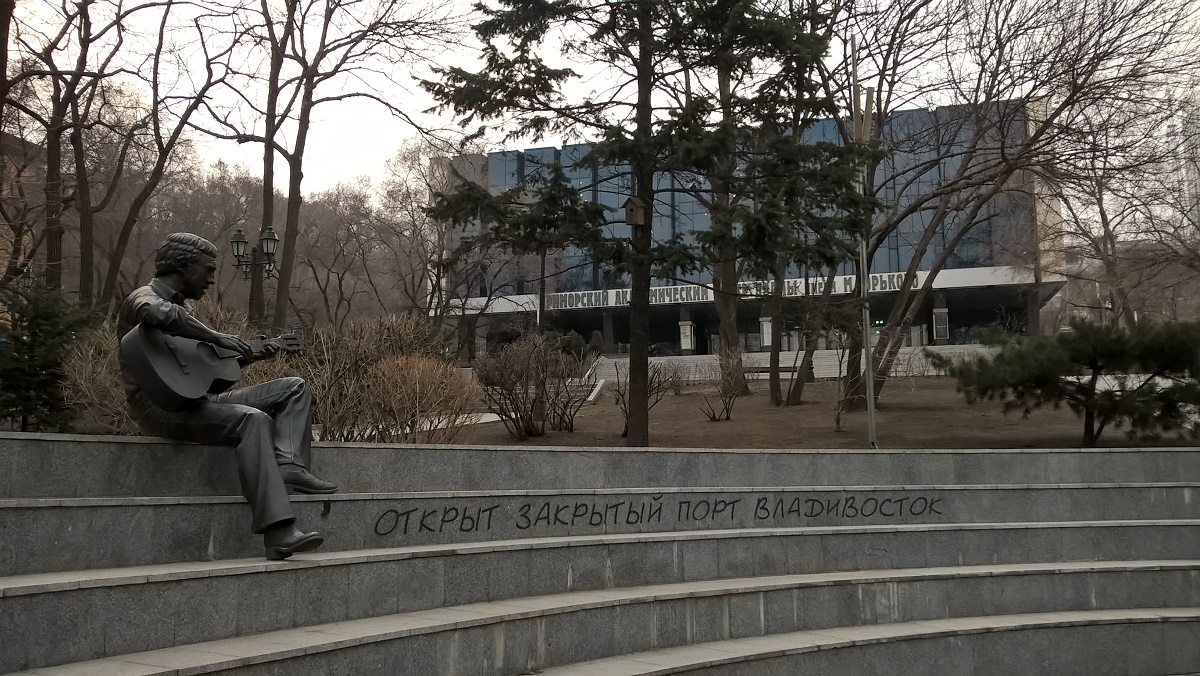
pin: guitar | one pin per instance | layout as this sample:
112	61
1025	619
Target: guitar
176	371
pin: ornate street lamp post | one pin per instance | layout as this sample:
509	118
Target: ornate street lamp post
256	264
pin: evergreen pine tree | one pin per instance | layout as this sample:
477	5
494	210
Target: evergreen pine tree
39	328
1143	377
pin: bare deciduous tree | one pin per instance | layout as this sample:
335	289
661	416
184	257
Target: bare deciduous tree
1014	92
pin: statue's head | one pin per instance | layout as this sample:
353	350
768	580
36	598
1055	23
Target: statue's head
191	257
179	251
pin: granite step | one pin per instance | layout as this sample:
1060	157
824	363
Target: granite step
521	635
86	614
54	534
1135	641
50	465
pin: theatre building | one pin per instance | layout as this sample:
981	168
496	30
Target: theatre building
990	278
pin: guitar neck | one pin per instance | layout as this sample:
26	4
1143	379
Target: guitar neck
256	345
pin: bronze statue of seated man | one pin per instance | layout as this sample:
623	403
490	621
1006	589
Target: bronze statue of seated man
269	425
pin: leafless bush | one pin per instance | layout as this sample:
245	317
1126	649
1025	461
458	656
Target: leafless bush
95	389
656	389
673	372
418	398
534	381
571	378
514	384
338	365
708	373
730	383
907	367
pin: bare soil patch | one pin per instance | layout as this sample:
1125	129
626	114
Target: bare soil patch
916	413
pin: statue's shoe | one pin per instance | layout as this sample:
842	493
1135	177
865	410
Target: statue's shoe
301	481
282	542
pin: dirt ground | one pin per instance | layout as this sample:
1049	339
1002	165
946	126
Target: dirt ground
917	413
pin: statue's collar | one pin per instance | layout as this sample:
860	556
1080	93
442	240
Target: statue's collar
164	290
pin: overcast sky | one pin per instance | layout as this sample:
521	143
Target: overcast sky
349	139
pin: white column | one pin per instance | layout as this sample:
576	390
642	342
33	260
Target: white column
687	337
764	330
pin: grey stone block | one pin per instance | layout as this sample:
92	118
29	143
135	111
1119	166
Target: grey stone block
466	581
420	583
308	665
205	616
580	636
781	611
371	591
698	559
508	575
321	596
736	557
710	619
670	623
145	624
804	554
624	567
659	562
67	621
747	615
589	568
518	646
266	602
830	606
633	627
550	571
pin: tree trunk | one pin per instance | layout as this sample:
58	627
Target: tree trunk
642	165
725	274
7	7
83	207
796	392
1089	425
54	201
278	45
775	307
725	299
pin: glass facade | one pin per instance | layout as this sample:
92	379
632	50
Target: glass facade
924	161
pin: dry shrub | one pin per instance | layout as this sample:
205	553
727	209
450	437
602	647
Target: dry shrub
730	383
339	366
417	398
673	372
514	384
95	390
571	377
659	382
536	380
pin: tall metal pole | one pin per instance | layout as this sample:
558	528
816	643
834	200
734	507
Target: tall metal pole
541	311
257	292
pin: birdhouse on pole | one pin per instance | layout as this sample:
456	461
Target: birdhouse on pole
635	211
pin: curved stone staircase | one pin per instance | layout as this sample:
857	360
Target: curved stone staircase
128	556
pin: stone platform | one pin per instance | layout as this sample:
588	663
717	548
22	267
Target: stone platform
133	556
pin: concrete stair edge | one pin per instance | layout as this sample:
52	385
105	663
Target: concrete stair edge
348	496
225	653
52	534
35	583
700	656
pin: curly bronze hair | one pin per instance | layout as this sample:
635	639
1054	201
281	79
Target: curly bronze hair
178	251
